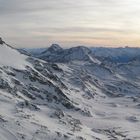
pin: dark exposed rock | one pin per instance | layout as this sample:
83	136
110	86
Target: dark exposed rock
17	82
26	93
28	105
58	114
56	67
1	41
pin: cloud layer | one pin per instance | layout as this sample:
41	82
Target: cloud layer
38	23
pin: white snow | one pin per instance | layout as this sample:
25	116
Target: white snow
12	58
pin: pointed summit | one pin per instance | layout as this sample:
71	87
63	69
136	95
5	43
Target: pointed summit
54	48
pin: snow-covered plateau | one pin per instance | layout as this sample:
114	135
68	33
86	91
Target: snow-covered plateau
69	94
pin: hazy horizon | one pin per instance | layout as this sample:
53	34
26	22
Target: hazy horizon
33	23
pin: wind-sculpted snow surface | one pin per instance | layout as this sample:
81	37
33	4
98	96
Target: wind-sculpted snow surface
82	99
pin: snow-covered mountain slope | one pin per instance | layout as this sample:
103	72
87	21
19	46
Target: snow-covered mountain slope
11	57
79	100
31	97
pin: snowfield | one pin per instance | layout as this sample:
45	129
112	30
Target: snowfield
68	95
10	57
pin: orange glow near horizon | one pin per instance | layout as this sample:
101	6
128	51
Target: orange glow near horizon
36	23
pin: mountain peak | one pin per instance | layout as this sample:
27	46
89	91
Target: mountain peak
54	47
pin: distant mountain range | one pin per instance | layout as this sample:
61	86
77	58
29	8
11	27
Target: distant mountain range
120	55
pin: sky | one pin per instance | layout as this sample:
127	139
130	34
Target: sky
39	23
